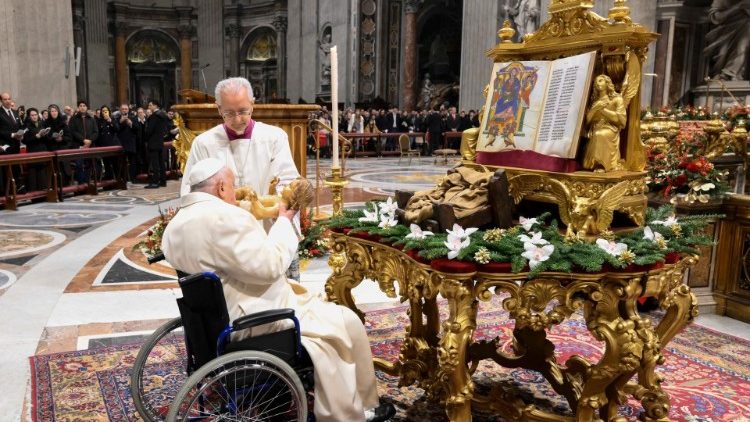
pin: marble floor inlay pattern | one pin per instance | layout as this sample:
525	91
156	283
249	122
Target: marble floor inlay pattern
20	242
70	279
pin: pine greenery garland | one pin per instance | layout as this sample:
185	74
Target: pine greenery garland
682	237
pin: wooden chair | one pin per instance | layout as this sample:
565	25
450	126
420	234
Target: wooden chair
405	148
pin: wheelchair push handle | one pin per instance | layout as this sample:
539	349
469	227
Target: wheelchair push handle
156	258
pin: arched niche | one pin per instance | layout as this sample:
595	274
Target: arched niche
152	57
259	62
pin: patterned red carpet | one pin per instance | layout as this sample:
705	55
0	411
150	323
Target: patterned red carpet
706	373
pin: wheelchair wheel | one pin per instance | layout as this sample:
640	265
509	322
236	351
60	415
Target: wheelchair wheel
159	371
246	385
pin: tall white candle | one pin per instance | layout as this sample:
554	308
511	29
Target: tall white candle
335	104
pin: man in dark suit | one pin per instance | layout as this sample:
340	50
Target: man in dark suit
10	143
435	127
126	133
157	128
393	121
84	130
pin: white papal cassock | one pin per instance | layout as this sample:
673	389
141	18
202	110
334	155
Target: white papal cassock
207	234
254	161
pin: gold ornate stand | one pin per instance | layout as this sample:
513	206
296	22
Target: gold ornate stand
440	356
336	182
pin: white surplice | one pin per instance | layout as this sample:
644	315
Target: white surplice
207	234
254	161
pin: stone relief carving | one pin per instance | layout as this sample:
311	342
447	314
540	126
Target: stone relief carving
324	43
728	43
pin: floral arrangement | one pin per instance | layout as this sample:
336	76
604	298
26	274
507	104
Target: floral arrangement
316	237
152	245
681	112
738	115
536	244
680	170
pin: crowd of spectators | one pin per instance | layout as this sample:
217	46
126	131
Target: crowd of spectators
433	124
140	131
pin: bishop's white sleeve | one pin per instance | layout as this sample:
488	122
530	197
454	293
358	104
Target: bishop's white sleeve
248	253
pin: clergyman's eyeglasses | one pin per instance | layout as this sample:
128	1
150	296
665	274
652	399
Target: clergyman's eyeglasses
229	114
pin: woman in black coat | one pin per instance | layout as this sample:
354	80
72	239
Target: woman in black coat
35	140
108	127
57	129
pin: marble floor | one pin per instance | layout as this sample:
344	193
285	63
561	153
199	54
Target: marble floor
70	280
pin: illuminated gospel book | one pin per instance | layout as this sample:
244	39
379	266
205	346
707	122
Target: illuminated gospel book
536	106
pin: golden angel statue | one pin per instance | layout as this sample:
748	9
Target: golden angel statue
182	142
607	116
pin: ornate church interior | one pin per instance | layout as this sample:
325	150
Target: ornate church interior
375	210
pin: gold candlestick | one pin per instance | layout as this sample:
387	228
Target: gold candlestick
336	183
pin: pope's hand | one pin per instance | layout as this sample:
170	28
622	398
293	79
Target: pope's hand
284	212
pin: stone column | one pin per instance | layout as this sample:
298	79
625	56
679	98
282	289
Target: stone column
97	53
481	20
210	28
82	87
280	24
121	72
186	56
410	54
233	32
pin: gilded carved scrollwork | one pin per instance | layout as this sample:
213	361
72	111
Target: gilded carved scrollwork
458	330
440	356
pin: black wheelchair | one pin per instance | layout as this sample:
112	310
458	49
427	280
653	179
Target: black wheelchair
266	377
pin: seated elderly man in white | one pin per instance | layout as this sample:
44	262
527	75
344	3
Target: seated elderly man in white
211	233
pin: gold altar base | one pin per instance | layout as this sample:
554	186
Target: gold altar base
440	356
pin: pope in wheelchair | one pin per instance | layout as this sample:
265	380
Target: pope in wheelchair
211	234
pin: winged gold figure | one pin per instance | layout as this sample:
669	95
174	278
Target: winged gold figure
581	215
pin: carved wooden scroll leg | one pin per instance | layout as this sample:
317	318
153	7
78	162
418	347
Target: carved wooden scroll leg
458	330
348	272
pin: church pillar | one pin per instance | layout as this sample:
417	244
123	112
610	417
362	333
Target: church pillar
79	41
233	32
121	72
280	24
186	56
410	54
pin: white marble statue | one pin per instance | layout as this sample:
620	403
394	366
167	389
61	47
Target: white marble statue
527	20
728	43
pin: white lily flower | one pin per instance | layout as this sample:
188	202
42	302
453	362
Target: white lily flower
537	254
651	235
388	207
671	221
417	233
370	216
455	244
459	231
387	221
535	239
611	247
526	223
707	187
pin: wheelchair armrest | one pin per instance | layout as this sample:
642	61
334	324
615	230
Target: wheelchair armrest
156	258
264	317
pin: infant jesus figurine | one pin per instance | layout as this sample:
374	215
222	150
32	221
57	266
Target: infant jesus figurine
297	196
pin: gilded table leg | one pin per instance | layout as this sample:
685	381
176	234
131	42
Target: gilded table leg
458	330
608	321
348	272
